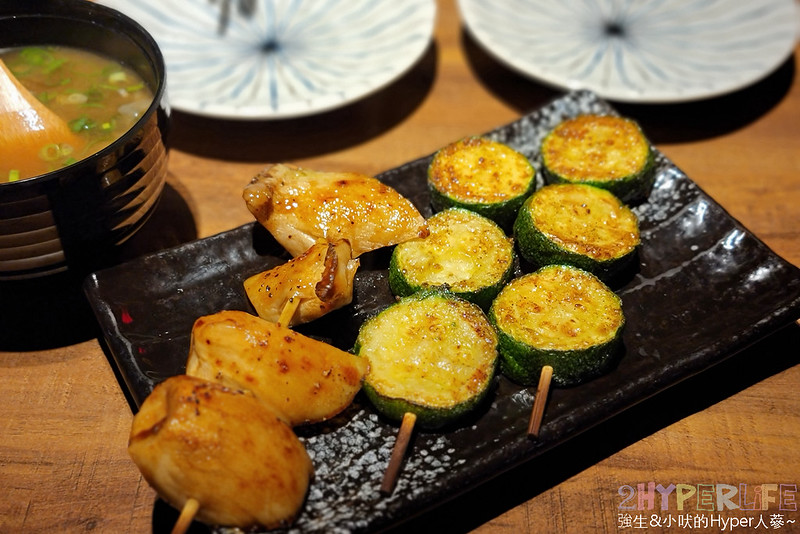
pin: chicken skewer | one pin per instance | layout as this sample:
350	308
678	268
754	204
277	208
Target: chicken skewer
297	379
194	440
232	337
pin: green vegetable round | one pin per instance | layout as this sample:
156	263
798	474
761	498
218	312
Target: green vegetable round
601	150
464	253
482	175
578	225
432	354
560	316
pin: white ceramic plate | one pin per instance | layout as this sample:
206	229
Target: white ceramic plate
281	58
649	51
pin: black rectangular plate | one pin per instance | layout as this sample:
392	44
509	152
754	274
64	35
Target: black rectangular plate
705	289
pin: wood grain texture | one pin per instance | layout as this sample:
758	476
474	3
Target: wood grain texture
64	420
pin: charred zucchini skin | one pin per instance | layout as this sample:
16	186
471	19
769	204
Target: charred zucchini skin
579	206
482	175
403	324
465	253
601	150
427	417
570	367
524	349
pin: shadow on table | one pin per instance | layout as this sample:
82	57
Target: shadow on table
52	311
467	512
663	123
302	137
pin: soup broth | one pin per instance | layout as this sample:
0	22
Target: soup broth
98	98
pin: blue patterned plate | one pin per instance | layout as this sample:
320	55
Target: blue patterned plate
640	50
261	59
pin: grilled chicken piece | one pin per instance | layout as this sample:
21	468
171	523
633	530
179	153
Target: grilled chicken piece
314	283
301	207
225	448
304	379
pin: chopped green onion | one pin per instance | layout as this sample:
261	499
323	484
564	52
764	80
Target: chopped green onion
132	88
50	152
55	151
81	123
69	161
35	55
13	175
41	58
53	65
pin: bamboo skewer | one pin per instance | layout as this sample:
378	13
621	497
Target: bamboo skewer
188	512
540	401
398	453
288	310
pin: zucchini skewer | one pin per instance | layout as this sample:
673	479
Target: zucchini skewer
601	150
580	225
446	365
482	175
560	316
464	253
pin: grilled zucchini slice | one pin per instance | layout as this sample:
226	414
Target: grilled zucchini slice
560	316
482	175
579	225
601	150
465	253
432	354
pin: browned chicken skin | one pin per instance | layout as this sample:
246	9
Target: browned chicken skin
305	380
301	207
225	448
320	279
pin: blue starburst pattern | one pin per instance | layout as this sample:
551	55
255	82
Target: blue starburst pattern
282	58
637	50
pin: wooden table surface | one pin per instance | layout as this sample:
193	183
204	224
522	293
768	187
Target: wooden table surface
64	419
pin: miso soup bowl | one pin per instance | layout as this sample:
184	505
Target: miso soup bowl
69	218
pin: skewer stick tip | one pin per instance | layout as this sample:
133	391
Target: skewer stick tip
398	453
540	401
288	311
188	512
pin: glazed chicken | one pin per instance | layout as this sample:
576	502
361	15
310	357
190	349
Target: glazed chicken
305	380
314	283
224	448
301	207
